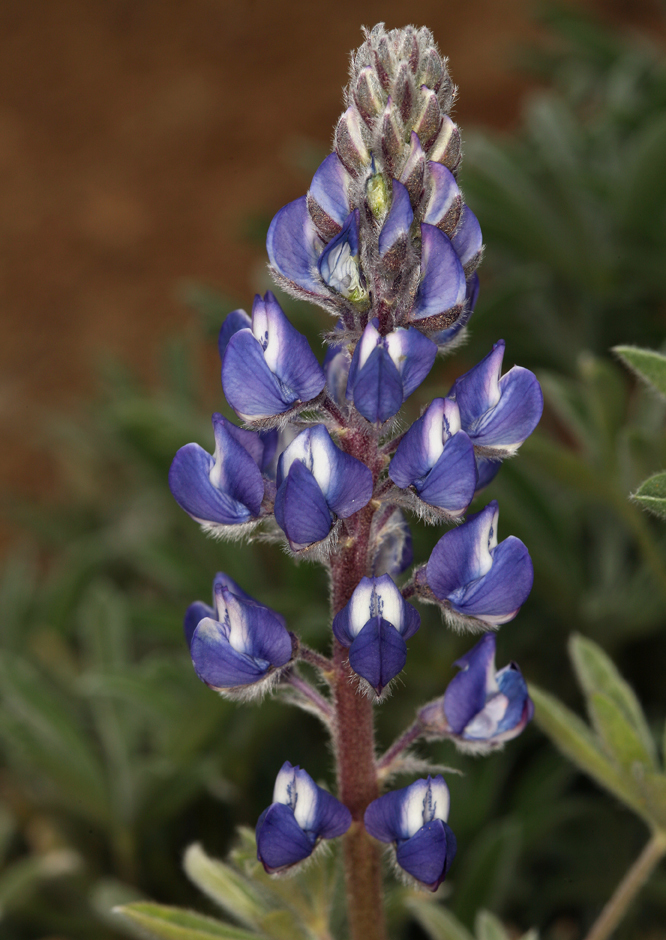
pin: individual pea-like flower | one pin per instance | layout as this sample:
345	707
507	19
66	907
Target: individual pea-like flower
481	708
268	368
440	298
300	816
317	483
436	458
395	230
238	646
414	819
498	411
225	490
454	334
476	579
374	626
339	265
385	370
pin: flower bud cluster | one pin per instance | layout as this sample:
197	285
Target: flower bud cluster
384	241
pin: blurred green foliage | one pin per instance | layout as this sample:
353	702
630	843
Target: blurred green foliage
114	757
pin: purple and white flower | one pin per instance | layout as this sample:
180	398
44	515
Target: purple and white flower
374	626
225	490
482	708
237	646
440	298
300	816
497	411
477	579
414	819
317	483
385	370
436	458
269	369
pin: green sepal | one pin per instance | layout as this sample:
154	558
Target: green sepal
646	364
172	923
614	708
651	494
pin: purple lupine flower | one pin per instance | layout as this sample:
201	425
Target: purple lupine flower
385	370
436	458
445	201
414	819
398	221
226	489
269	370
440	298
238	645
233	322
338	263
481	708
317	482
328	196
394	551
474	577
455	332
374	626
300	816
468	241
498	413
486	471
294	245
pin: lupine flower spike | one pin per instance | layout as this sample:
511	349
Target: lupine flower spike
481	708
385	243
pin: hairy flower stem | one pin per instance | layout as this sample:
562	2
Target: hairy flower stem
355	739
628	888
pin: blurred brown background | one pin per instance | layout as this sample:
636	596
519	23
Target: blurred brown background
137	136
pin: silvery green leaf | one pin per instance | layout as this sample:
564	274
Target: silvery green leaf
646	364
597	674
437	922
225	886
489	927
620	739
173	923
651	494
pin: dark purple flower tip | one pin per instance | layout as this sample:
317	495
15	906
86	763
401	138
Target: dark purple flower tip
394	551
477	577
484	706
445	337
445	202
270	368
300	815
414	819
224	489
328	196
441	294
437	459
294	245
398	221
339	265
385	370
233	322
498	413
239	642
468	240
316	479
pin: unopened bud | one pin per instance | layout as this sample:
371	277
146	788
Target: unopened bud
384	62
446	148
391	136
430	117
349	144
368	96
413	170
403	91
410	49
378	194
432	70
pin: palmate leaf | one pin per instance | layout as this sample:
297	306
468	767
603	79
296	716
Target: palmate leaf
651	494
172	923
646	364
